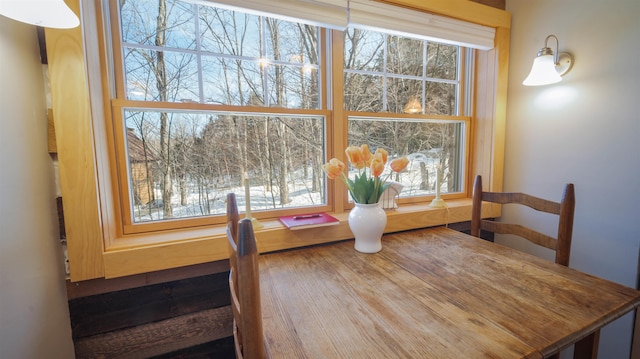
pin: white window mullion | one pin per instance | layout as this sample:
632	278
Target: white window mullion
199	55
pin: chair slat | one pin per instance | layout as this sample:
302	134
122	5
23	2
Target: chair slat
536	203
536	237
564	209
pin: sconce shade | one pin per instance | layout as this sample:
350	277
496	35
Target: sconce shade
548	68
543	72
413	106
45	13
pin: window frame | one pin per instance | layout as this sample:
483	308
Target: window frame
97	249
122	197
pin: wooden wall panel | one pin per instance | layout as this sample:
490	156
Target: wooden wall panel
74	139
490	116
191	315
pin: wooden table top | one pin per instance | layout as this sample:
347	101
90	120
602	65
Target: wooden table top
431	293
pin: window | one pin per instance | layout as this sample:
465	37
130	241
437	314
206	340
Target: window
427	143
206	150
210	96
386	73
93	177
400	74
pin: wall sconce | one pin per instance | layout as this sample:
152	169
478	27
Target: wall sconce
413	106
547	68
45	13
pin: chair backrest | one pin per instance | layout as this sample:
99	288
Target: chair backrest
244	285
564	209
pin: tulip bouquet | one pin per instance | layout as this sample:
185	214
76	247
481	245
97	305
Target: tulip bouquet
367	186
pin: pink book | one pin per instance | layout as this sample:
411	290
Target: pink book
311	220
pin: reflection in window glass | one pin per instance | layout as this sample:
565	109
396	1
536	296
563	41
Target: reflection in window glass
427	144
399	89
208	154
399	71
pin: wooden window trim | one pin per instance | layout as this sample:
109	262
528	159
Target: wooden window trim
87	173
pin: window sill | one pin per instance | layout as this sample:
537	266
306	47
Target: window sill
210	244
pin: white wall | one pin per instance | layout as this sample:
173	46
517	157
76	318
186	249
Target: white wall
584	130
34	316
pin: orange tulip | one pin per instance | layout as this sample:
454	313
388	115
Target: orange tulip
399	164
338	163
384	153
366	154
355	156
377	165
333	168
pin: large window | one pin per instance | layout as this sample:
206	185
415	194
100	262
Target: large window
207	96
387	73
192	60
104	166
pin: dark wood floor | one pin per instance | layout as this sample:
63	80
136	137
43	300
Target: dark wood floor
188	318
218	349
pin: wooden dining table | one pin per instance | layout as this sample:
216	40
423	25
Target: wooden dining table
430	293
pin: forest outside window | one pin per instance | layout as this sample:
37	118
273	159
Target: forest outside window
207	150
205	96
182	72
386	73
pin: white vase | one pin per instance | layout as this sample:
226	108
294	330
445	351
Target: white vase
367	222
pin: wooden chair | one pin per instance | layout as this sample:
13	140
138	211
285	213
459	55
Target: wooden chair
564	209
244	285
588	347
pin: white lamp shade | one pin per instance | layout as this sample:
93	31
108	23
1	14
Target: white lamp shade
45	13
543	72
413	106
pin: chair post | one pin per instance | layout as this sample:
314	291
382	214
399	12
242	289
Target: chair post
232	214
249	292
476	207
565	226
